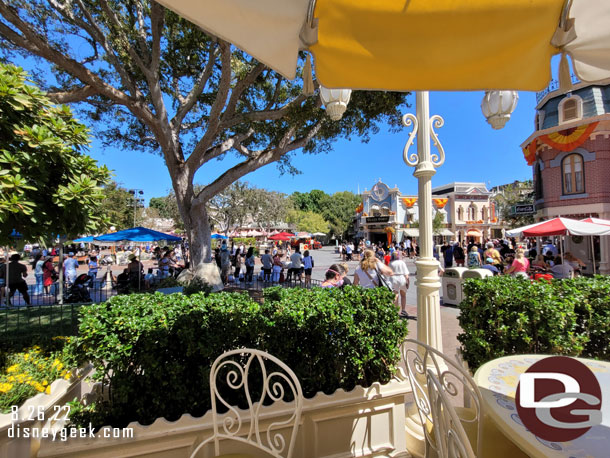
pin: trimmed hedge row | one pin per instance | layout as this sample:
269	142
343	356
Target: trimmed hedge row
156	351
504	315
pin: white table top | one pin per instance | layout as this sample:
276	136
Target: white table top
498	381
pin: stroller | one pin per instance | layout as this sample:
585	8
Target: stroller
78	292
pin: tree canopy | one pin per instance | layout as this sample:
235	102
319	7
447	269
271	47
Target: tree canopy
153	81
519	192
49	187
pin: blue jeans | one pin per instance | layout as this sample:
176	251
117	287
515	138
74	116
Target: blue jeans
39	287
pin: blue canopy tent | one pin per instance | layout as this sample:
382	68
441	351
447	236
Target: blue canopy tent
135	234
219	236
88	239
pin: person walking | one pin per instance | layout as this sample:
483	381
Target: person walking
369	268
458	255
277	267
296	264
448	255
70	267
49	274
267	262
37	266
474	258
93	268
308	266
225	263
249	265
16	278
400	283
237	261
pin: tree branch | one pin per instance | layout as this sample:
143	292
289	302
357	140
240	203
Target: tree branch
195	160
188	102
266	115
77	95
240	87
253	163
157	19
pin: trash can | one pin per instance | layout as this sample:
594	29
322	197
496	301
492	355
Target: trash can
452	285
477	273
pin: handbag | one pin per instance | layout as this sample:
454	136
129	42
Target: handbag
382	282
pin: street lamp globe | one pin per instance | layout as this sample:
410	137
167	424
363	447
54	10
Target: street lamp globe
497	106
335	101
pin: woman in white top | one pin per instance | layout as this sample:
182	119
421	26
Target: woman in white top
400	282
366	273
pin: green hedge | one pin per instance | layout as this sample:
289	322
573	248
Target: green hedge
156	350
504	315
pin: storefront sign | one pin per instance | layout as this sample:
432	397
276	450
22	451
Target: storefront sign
377	219
524	209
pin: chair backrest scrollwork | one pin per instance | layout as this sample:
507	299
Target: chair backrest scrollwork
261	379
454	381
451	439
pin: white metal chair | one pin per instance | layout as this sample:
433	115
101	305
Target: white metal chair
460	389
277	383
451	439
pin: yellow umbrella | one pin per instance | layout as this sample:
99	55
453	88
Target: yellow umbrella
415	44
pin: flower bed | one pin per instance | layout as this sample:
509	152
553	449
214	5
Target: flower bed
164	346
28	373
502	316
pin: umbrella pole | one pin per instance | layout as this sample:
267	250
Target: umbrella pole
561	247
6	287
593	255
61	272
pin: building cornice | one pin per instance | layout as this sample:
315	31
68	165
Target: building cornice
568	125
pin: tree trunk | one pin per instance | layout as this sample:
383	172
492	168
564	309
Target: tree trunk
199	234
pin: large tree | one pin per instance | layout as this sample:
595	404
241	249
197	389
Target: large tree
158	83
48	187
507	196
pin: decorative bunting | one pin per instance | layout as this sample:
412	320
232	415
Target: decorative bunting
440	202
409	201
529	151
569	139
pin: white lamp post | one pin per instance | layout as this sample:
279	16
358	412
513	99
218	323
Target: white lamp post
335	101
497	107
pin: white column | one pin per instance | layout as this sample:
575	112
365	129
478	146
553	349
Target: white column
428	282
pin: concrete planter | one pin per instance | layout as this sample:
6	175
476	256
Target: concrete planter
38	412
364	422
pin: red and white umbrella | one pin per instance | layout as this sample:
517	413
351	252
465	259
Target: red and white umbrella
603	222
559	226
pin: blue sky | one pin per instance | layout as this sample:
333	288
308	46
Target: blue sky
474	152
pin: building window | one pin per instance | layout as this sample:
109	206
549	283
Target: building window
539	119
573	174
460	213
472	212
570	109
484	214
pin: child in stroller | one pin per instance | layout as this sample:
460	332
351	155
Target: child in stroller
78	292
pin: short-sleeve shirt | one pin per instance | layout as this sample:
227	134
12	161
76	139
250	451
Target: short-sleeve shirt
296	259
399	267
15	272
308	262
267	261
70	264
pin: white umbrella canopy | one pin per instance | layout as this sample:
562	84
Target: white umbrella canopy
319	234
415	45
603	222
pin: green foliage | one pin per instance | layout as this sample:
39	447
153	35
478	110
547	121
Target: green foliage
197	285
47	185
338	210
164	346
28	373
247	241
519	192
438	223
118	206
307	221
169	282
505	315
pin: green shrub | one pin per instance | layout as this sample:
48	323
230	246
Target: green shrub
169	282
505	315
156	351
197	285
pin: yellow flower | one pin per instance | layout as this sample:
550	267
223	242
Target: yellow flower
57	363
48	390
11	378
26	356
45	383
38	386
5	387
67	376
13	368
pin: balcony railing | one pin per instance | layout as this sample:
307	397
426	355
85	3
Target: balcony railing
553	86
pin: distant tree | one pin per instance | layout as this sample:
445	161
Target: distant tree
339	210
271	208
307	221
49	187
438	223
162	206
118	206
313	201
158	83
519	192
233	206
